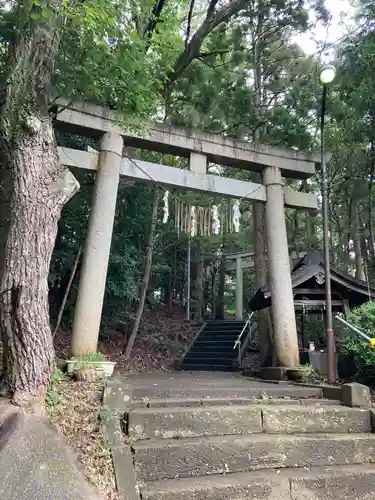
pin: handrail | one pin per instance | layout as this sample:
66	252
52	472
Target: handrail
370	340
192	342
247	339
238	341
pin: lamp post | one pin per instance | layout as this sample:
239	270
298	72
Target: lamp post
327	75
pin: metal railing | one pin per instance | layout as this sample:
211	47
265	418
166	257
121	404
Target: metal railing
238	342
370	340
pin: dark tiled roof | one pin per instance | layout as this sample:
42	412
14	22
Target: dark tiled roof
307	267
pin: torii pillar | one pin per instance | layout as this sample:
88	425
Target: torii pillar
284	320
91	288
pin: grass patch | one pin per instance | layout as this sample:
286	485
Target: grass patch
54	395
89	360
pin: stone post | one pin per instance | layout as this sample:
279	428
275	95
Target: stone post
285	332
239	289
91	289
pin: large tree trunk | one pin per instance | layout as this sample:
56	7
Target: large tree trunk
371	242
146	277
356	235
260	262
5	194
197	287
260	266
41	187
220	299
172	283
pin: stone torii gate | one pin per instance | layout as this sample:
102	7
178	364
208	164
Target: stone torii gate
200	148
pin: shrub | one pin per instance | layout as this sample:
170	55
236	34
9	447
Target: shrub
358	349
364	318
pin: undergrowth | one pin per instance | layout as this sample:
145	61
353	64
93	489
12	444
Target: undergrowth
53	395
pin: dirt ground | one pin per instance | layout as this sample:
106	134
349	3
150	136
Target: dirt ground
161	340
76	415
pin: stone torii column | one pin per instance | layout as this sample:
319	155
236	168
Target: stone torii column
285	331
91	288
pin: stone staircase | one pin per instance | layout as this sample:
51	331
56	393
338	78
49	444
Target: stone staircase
251	449
213	348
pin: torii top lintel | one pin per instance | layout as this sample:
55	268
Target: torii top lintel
89	119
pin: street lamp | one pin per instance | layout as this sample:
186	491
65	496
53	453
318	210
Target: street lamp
327	75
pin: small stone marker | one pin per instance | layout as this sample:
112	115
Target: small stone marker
355	395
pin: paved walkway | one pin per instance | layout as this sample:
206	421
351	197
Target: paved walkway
35	461
198	385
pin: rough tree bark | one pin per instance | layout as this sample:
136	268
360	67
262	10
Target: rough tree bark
369	205
220	301
40	188
172	283
260	266
5	190
356	236
197	286
260	263
146	277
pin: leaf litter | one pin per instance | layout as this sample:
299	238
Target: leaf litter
77	416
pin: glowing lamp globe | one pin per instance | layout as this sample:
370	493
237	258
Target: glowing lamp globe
327	74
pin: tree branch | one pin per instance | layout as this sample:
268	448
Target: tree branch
188	29
211	8
212	53
153	21
212	21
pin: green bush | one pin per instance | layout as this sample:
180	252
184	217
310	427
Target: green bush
356	348
364	318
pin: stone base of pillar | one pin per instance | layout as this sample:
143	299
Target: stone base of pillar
273	373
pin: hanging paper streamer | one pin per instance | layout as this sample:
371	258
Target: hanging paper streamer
166	207
203	221
216	220
193	214
236	214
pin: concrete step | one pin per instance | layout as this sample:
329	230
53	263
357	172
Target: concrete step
222	331
219	336
315	419
169	459
211	367
213	342
177	423
235	391
212	347
202	360
208	362
229	401
174	423
225	323
320	483
232	354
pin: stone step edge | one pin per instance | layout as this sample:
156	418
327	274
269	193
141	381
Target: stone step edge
156	443
215	481
207	402
261	406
